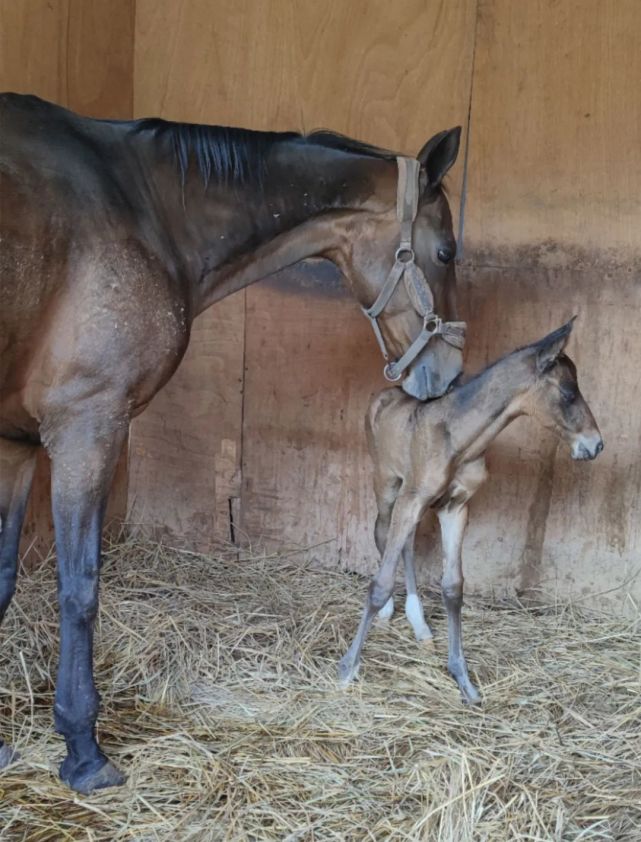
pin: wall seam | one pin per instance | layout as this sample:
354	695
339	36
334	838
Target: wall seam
461	219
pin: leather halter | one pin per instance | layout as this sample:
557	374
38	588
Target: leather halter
416	284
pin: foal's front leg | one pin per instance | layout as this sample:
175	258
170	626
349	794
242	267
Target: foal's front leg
405	515
83	463
453	523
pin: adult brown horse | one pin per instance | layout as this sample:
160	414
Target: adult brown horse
114	236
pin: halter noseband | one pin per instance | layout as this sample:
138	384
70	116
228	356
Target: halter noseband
416	284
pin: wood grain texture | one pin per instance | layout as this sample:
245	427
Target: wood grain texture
552	228
392	74
555	157
80	55
185	449
544	521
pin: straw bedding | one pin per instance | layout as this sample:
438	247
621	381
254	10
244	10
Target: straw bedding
219	700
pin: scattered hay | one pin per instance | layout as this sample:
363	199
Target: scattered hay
219	701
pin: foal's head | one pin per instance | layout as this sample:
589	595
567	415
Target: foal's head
556	399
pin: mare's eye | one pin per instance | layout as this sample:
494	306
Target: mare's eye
568	396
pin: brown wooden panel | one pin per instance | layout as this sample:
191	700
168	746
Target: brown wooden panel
184	456
555	158
544	520
80	55
185	448
392	74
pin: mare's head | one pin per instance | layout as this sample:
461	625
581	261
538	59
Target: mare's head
368	253
556	399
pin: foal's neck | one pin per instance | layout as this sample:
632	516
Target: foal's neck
479	409
229	233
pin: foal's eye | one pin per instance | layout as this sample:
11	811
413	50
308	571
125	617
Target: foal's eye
568	396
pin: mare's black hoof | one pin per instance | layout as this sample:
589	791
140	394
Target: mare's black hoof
7	756
87	777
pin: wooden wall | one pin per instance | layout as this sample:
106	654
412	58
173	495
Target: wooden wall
78	53
277	378
551	228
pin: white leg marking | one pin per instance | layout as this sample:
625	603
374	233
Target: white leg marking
387	611
414	613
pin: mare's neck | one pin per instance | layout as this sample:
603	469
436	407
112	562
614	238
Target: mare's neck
228	233
481	408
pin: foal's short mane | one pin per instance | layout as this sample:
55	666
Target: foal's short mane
239	156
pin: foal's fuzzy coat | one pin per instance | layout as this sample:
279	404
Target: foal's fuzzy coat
431	455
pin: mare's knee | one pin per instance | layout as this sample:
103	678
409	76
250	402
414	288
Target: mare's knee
79	600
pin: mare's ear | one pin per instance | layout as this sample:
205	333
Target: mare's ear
438	155
551	346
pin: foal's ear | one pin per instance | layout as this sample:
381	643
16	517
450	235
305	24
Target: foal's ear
438	154
551	346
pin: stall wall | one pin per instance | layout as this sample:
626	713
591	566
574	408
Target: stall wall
258	437
546	94
80	55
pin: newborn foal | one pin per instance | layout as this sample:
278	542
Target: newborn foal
431	455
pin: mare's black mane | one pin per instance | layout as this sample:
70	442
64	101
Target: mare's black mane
239	156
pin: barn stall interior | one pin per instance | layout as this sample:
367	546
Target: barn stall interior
269	460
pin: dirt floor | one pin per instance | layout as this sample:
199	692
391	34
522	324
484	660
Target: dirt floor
219	699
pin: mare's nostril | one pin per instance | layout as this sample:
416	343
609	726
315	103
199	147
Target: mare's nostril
445	254
599	448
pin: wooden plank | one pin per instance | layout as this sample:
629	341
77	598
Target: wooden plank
553	212
79	55
392	74
185	448
555	159
544	521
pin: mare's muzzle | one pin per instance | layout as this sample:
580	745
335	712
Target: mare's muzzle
429	375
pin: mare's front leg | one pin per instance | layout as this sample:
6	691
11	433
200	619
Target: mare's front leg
453	519
405	516
17	462
84	456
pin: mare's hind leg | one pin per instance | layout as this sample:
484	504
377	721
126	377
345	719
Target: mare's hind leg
405	515
17	462
83	455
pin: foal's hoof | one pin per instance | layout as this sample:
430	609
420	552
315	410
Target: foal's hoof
347	671
469	694
424	637
87	777
8	756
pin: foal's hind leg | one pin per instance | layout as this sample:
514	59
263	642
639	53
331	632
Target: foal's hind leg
386	490
413	606
84	456
17	462
405	515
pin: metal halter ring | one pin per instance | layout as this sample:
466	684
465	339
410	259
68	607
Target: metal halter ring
387	373
405	254
433	323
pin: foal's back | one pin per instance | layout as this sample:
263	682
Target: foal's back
405	434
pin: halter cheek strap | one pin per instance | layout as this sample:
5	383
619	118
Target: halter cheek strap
418	289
